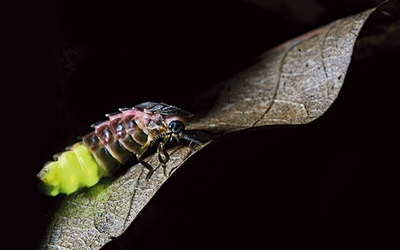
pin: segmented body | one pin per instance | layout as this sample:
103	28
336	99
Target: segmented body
113	143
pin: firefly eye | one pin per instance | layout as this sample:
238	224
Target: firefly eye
176	126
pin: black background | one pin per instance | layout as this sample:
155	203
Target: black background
327	184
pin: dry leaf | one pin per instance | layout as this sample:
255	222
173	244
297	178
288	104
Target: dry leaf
294	83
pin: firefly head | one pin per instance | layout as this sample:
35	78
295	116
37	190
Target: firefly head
176	126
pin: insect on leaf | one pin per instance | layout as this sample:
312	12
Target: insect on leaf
294	83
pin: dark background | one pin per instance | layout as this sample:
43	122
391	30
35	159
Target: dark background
327	184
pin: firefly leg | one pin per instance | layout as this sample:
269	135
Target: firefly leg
139	154
163	155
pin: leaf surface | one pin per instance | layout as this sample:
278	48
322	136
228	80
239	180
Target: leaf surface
294	83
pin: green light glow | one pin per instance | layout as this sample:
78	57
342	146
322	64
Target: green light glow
73	170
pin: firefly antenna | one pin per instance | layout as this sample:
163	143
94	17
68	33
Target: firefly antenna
188	138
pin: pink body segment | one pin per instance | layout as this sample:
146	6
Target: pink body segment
126	134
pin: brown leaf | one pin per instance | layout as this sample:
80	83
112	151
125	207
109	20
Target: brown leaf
294	83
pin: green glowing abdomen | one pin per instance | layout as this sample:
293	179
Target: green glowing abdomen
73	170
